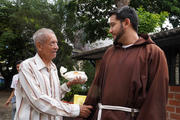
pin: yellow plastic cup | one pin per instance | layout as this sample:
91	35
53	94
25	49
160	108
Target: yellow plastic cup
79	99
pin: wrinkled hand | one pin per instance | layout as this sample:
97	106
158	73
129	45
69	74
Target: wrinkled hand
85	111
77	80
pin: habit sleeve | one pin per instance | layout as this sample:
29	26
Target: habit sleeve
154	106
94	92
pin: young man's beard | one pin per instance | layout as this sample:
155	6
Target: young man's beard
121	32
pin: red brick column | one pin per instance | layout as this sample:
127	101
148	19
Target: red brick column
173	105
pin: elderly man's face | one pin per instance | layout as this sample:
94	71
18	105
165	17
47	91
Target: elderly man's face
49	48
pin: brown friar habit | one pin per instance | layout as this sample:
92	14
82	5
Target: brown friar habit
135	77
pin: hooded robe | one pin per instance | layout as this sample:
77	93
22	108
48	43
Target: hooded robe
134	77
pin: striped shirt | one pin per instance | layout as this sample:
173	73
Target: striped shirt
39	93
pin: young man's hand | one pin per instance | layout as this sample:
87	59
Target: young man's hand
7	103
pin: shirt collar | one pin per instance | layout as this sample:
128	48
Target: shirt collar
41	64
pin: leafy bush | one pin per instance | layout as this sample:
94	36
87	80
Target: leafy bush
149	21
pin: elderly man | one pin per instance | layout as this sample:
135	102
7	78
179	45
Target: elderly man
39	92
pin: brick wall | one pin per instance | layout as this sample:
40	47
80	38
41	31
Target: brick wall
173	105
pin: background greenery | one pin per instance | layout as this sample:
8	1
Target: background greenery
72	21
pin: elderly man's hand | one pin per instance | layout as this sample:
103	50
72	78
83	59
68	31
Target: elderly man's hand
85	111
77	80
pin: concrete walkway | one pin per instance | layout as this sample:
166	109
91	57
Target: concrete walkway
5	112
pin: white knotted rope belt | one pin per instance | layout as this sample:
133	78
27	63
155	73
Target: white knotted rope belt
110	107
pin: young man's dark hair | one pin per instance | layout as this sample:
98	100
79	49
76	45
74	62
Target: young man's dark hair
126	12
18	62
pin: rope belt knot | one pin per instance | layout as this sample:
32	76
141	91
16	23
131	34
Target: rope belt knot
110	107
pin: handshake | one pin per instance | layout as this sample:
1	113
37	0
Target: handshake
85	111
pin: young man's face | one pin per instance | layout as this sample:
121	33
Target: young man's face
116	28
17	67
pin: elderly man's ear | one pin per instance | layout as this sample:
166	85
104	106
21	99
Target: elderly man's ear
38	46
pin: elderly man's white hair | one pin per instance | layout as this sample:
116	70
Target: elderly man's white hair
42	35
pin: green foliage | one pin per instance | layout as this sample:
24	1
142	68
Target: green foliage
149	21
63	57
18	23
90	71
91	17
156	6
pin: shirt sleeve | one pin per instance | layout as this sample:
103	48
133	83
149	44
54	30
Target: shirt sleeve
13	82
40	100
154	106
64	89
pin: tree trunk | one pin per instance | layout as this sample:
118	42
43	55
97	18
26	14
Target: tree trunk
18	2
121	3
